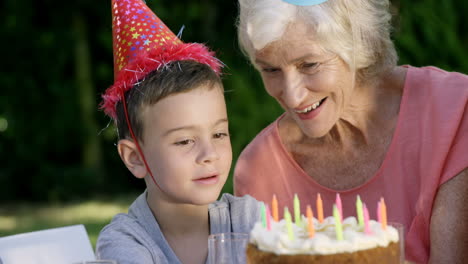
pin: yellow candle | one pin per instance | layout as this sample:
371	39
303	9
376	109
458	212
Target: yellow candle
297	210
359	210
274	208
338	225
310	226
319	208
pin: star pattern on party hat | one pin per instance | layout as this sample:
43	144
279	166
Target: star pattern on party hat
135	29
142	43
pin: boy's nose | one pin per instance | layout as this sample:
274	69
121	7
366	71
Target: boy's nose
208	153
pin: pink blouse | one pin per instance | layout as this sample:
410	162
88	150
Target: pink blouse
429	147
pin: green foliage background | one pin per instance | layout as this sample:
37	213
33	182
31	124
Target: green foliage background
57	59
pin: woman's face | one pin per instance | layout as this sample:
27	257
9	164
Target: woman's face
312	85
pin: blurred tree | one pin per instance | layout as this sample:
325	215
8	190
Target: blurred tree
91	152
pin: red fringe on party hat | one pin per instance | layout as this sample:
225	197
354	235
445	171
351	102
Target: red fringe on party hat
143	43
136	70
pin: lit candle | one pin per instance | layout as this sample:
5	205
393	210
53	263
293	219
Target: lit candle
383	213
319	208
274	208
297	210
339	206
338	225
287	217
360	214
268	218
263	213
366	221
310	223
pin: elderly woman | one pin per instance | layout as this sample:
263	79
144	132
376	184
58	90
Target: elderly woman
355	123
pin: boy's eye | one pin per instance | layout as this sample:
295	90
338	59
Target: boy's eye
220	135
184	142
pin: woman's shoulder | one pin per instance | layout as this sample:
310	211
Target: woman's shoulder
434	110
430	89
437	80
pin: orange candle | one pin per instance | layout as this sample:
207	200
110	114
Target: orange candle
274	208
383	213
310	226
319	208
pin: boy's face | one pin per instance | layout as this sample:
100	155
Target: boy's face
187	145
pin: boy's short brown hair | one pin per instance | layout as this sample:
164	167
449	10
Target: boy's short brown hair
172	78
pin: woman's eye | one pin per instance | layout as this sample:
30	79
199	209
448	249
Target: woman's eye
270	70
184	142
309	65
220	135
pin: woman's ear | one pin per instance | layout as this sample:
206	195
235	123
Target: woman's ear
129	154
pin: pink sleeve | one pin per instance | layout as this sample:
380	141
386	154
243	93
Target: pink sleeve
457	158
454	93
440	119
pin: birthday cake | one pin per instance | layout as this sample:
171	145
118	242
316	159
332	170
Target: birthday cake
312	241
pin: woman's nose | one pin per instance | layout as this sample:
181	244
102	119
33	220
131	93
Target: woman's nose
293	91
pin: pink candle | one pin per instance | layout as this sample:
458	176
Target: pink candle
268	218
339	206
366	221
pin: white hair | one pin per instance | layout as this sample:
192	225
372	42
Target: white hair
358	31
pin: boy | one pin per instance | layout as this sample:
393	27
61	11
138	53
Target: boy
168	104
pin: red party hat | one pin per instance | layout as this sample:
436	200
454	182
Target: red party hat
143	43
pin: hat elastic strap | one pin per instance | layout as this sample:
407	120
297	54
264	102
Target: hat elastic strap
136	140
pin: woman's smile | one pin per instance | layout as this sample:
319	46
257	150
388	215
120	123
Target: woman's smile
310	111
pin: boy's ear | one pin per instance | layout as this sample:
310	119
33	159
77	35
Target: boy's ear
129	154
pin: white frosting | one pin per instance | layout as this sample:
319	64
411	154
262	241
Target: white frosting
324	241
